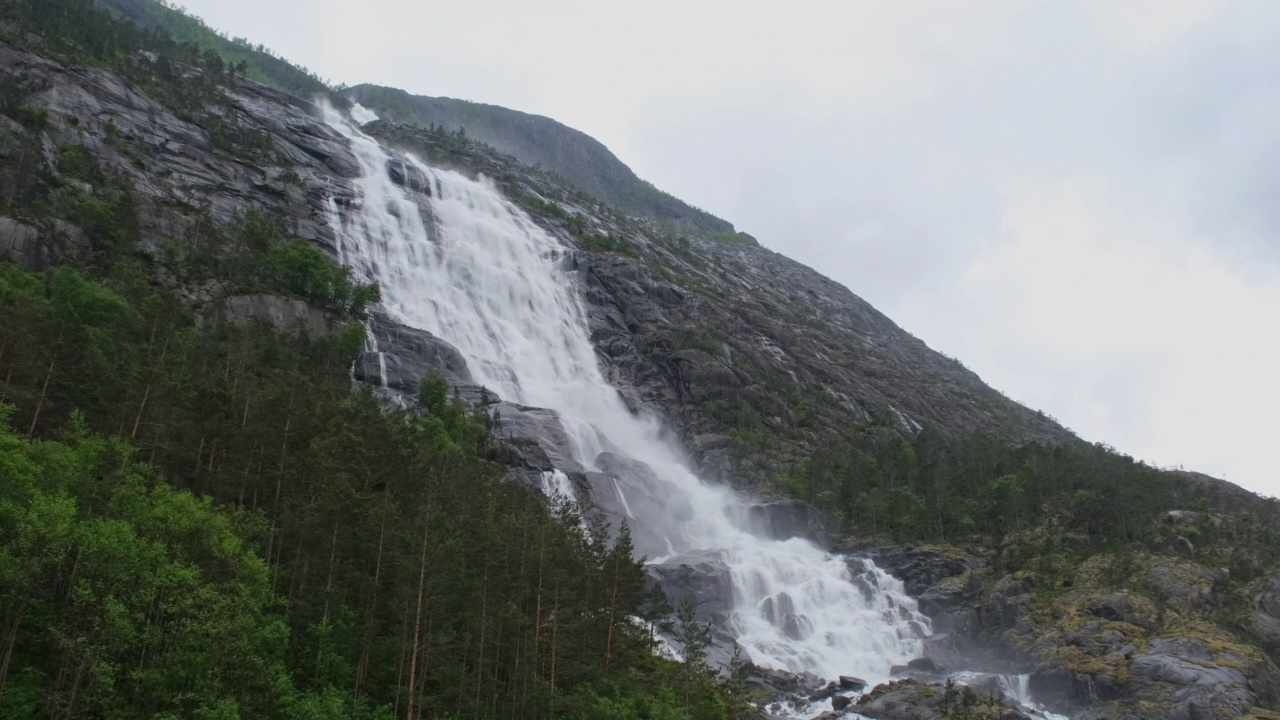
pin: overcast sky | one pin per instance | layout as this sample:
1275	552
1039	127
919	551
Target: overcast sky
1079	200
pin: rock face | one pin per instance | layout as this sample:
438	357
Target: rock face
398	357
1265	620
287	314
184	180
701	576
20	243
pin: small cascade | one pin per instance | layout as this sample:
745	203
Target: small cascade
460	261
1015	688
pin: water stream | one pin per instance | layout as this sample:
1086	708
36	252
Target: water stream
472	268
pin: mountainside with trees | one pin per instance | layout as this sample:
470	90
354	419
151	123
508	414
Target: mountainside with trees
201	516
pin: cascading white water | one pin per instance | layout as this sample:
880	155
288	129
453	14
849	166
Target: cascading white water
478	273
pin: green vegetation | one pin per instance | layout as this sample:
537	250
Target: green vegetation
737	239
605	243
208	522
254	61
201	518
924	488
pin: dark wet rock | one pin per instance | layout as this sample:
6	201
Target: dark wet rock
840	702
701	576
399	357
1009	600
852	684
1115	606
920	569
626	489
540	427
780	683
946	597
785	519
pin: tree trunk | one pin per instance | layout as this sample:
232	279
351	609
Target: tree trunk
417	626
31	431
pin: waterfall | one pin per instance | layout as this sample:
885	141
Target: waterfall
470	267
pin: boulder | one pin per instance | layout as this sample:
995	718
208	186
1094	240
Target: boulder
701	576
540	427
785	519
852	684
945	597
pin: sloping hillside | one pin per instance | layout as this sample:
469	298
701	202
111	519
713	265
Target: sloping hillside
542	142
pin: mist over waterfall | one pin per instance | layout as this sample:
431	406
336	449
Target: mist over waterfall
462	262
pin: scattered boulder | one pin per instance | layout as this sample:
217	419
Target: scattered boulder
852	684
702	576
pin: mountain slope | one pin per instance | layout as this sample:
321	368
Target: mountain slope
257	62
163	226
542	142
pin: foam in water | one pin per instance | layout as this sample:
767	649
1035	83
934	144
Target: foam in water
471	268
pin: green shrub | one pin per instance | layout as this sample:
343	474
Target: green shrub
605	243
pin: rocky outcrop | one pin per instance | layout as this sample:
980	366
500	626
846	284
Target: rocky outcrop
702	577
20	243
287	314
912	700
1265	618
398	357
179	178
